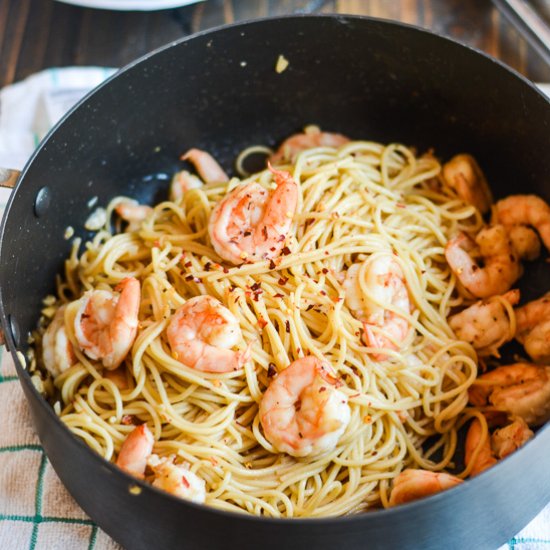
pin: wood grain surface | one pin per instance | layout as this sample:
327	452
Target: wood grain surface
36	34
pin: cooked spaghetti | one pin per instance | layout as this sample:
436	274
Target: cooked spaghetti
357	204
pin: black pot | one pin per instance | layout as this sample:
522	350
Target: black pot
219	90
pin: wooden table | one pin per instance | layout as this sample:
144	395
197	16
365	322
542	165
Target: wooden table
36	34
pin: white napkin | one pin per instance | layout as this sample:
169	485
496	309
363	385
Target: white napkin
35	509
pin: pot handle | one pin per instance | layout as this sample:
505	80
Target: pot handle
8	178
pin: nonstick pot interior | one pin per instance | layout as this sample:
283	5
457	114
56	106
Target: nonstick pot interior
219	91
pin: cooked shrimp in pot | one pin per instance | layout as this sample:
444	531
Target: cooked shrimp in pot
206	165
135	456
182	182
501	267
176	479
202	333
525	241
106	322
382	278
486	324
533	328
311	137
528	210
520	390
133	212
413	484
463	174
57	351
301	412
497	446
135	451
252	223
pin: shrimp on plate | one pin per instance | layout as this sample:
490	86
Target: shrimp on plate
301	412
57	351
521	390
106	322
383	278
463	174
485	324
533	328
525	210
501	267
202	333
413	484
206	165
311	137
136	455
252	223
503	442
133	213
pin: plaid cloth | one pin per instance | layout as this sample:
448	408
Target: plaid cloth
36	511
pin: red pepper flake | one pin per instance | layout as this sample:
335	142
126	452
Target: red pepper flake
271	370
247	233
285	251
262	323
225	270
188	264
475	267
264	232
311	306
256	287
128	419
279	295
323	292
189	277
272	264
185	482
322	389
298	350
287	325
207	266
283	280
327	252
281	238
272	249
325	270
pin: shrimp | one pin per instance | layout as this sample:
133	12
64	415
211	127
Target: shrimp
135	451
133	212
182	182
57	351
520	390
412	484
502	267
528	210
106	322
525	241
503	442
311	137
301	412
485	324
136	455
176	479
206	165
201	334
383	278
533	328
463	174
252	224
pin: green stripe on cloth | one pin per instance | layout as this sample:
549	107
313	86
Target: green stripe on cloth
526	540
46	519
38	501
15	448
93	537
